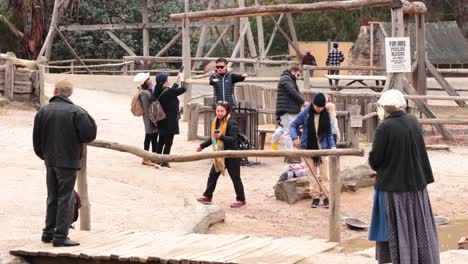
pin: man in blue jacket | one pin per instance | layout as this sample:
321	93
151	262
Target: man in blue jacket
317	134
223	83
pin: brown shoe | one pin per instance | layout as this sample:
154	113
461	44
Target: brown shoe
147	162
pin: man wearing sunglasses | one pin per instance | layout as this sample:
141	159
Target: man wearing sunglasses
289	102
223	83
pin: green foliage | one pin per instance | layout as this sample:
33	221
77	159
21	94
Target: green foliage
8	40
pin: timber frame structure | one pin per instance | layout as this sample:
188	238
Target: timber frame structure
401	12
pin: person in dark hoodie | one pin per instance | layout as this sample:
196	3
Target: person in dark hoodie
317	134
289	101
60	130
223	83
168	97
224	136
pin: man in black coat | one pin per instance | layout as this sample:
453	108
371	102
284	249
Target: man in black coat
60	130
289	101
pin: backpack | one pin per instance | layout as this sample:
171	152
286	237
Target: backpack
76	208
156	111
243	142
136	107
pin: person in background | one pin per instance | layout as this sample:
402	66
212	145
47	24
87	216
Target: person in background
402	221
223	83
279	131
60	130
309	59
151	132
168	97
317	134
224	136
331	108
335	58
289	102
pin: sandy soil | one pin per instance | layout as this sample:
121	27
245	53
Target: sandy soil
125	194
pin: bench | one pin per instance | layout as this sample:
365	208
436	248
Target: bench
358	78
262	136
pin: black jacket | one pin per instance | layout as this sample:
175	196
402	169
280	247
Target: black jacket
170	103
308	59
60	129
399	155
288	99
231	139
224	89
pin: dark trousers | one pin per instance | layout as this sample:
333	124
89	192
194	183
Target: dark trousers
60	199
153	139
165	144
233	167
333	72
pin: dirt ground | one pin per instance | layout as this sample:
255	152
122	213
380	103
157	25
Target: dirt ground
125	194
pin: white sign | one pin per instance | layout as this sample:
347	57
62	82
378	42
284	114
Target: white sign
356	121
397	53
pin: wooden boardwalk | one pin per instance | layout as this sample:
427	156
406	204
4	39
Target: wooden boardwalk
124	246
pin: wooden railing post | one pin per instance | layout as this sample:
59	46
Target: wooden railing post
371	123
334	219
85	214
42	100
9	80
306	76
193	110
355	124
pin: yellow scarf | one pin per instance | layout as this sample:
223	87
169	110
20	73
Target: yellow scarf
218	144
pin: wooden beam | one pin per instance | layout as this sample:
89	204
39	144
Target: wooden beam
395	80
186	57
283	33
311	67
371	52
82	182
170	44
50	35
9	80
242	23
334	218
273	34
292	28
121	43
225	31
441	80
42	100
237	47
202	40
434	121
421	76
72	50
295	8
137	151
145	25
144	15
12	27
261	39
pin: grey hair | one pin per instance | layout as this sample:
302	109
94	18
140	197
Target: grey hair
65	91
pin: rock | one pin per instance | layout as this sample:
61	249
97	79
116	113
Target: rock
360	51
293	190
197	217
10	259
358	177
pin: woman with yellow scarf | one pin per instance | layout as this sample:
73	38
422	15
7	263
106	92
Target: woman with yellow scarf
224	136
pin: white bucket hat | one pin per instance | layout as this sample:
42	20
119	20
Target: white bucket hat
392	98
141	77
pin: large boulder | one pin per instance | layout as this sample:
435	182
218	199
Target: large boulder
357	177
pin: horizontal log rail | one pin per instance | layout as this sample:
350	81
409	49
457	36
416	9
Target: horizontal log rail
85	60
437	121
206	59
88	66
408	7
368	68
223	154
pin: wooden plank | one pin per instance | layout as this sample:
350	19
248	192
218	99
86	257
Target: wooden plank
356	77
115	249
82	185
160	253
269	253
234	250
87	241
95	27
421	76
186	57
42	99
23	88
210	244
305	249
133	253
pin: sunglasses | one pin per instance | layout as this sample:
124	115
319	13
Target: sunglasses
219	67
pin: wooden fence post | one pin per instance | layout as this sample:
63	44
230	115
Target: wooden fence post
334	219
9	80
371	123
355	124
72	67
85	214
42	100
306	76
193	111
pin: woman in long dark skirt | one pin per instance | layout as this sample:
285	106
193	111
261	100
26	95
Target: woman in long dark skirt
402	221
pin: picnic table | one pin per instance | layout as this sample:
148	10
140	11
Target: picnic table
379	79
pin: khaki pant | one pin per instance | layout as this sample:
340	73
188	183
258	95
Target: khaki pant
321	172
